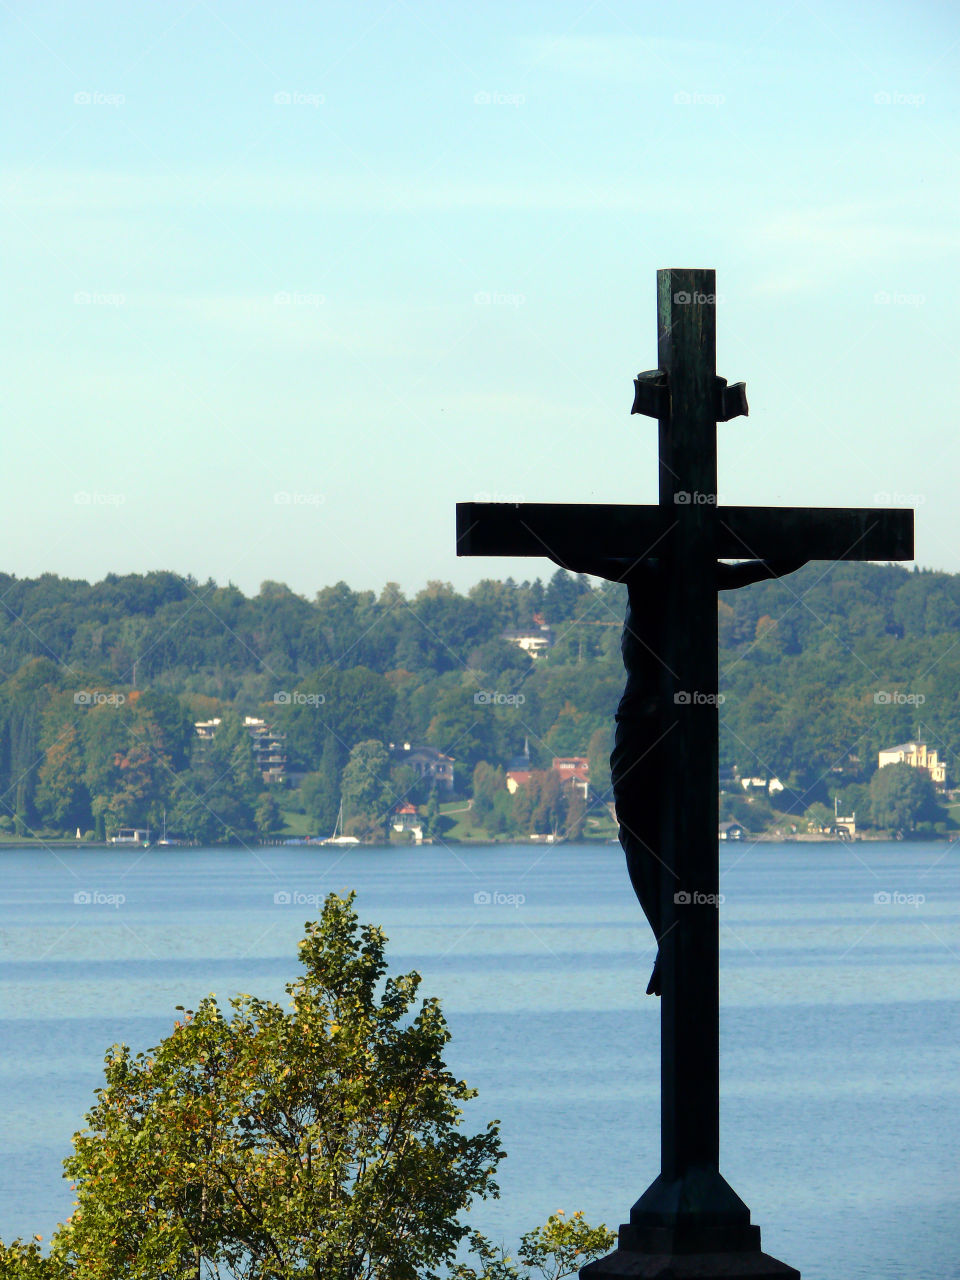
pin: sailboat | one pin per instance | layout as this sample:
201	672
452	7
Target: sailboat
338	837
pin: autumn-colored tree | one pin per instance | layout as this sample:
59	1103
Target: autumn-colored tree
61	796
324	1141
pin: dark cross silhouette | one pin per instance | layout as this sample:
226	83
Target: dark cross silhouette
669	554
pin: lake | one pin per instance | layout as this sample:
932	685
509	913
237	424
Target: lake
840	1019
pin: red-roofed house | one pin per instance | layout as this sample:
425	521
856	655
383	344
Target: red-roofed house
406	818
574	770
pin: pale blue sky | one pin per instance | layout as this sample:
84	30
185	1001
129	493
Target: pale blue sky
284	282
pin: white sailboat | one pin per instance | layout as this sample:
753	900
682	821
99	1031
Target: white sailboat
338	837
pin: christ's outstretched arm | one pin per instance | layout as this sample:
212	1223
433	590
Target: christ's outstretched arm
731	576
612	568
623	569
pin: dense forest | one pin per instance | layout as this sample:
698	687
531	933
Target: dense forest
102	685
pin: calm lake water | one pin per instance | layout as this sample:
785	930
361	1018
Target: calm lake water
840	1019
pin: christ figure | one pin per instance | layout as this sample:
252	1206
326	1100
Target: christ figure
638	762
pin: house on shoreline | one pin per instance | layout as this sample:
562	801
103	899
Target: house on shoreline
574	771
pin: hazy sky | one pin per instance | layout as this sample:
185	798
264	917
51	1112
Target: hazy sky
286	281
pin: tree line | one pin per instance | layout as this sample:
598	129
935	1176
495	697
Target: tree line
103	683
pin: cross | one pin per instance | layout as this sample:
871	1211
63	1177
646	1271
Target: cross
689	1211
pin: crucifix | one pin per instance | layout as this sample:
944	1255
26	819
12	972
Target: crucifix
689	1219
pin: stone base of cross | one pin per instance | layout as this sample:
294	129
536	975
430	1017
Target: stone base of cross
689	1222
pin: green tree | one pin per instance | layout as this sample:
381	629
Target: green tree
131	746
351	705
462	727
819	816
367	795
26	1261
569	734
563	594
901	796
61	797
323	1141
576	814
321	790
234	747
432	820
493	805
541	805
598	759
267	815
488	782
559	1248
215	801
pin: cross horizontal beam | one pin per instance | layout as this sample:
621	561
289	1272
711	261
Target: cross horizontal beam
755	533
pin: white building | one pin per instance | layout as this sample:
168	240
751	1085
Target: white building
919	756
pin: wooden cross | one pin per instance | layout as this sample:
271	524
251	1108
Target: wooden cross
689	1211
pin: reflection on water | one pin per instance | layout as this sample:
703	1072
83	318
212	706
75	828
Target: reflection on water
840	990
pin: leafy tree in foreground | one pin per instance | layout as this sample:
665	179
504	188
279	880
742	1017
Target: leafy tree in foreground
321	1142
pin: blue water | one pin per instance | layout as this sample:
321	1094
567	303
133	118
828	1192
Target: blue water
840	1019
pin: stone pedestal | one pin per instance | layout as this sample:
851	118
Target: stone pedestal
693	1227
750	1265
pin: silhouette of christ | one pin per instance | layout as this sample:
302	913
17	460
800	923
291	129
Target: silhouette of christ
637	762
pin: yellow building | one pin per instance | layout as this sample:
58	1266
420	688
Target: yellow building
919	756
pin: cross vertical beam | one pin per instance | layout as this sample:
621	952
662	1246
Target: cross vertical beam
690	1036
690	1206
